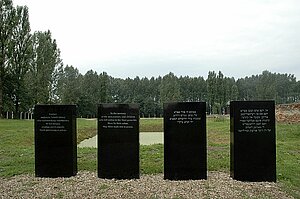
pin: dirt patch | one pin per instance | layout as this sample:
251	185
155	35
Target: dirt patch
288	113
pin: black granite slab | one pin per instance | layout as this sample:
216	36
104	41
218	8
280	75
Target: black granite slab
185	156
252	141
118	141
55	140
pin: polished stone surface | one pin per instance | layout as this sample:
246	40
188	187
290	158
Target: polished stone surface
55	141
185	156
252	141
118	141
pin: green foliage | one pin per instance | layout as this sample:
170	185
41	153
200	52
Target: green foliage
279	87
169	89
42	74
21	55
211	89
265	88
93	90
220	90
234	92
7	13
68	85
192	89
27	62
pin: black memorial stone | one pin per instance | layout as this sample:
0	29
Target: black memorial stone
185	155
252	141
55	140
118	141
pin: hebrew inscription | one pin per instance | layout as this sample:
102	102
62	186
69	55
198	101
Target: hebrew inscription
254	120
185	116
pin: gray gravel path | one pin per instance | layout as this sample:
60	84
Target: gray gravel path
88	185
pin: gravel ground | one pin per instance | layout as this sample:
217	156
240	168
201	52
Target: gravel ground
88	185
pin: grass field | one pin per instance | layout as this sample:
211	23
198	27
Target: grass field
151	125
17	149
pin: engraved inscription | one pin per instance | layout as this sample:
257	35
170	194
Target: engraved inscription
118	120
185	116
53	123
254	120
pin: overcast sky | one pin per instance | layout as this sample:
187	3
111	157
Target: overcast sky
129	38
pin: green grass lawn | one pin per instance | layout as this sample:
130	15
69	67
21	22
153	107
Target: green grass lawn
151	125
86	128
17	149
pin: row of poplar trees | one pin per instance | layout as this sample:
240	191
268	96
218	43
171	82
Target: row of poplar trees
27	61
32	72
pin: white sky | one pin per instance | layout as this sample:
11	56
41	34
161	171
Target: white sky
128	38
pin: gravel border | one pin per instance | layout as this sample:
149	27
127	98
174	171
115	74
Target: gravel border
88	185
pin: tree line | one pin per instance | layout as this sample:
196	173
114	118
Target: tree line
32	72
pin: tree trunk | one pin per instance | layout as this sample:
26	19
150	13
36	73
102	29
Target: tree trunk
2	73
17	106
17	109
1	97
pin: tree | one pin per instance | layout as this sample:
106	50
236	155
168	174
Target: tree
21	56
285	85
68	86
170	89
199	89
115	89
266	87
296	92
6	28
247	87
42	74
230	94
185	85
91	94
104	87
154	95
234	92
211	83
220	93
